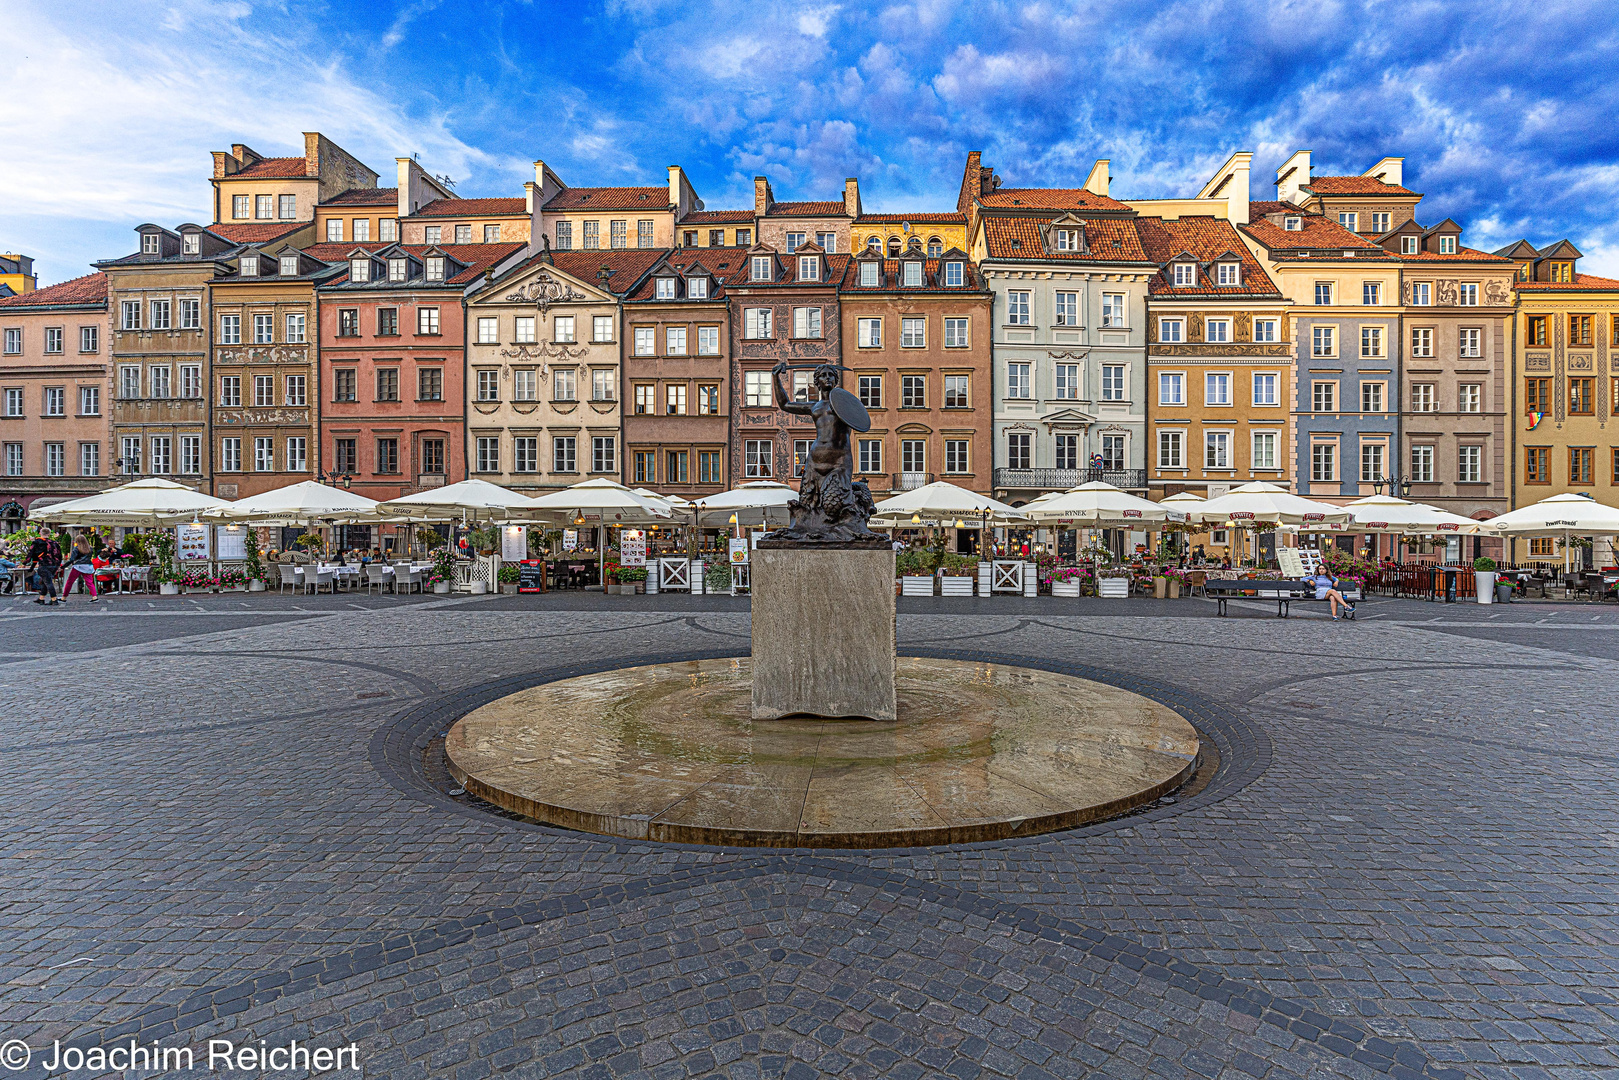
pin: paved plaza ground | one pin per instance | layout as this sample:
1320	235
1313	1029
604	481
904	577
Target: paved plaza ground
227	817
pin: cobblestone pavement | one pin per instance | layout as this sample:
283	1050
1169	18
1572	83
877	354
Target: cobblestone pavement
226	818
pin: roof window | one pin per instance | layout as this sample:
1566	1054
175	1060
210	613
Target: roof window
289	266
359	269
191	243
1293	223
666	288
249	266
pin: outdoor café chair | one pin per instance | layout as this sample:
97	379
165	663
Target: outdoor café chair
314	578
375	577
289	577
407	575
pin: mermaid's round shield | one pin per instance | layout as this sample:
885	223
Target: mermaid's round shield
848	409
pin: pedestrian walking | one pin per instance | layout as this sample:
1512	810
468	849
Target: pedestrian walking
44	560
81	567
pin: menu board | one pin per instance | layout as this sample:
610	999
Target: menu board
193	542
231	541
513	543
531	576
739	550
632	550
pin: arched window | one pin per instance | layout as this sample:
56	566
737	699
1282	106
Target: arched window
893	247
875	243
935	247
915	244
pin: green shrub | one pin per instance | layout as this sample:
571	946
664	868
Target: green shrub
1484	562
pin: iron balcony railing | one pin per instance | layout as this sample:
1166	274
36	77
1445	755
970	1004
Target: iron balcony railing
910	481
1063	479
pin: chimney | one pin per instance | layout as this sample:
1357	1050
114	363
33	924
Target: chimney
311	153
969	182
1096	183
1293	175
851	197
1231	183
1391	170
403	179
762	197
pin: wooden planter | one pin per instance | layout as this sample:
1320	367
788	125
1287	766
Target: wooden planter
1066	588
950	585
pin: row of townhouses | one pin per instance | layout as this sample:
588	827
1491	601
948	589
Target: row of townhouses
392	339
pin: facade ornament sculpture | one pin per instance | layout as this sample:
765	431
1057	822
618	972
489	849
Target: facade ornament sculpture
544	291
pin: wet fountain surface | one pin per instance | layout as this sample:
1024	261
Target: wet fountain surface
668	752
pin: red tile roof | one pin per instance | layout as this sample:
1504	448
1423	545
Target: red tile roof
683	259
610	198
89	289
1354	185
257	232
1462	254
1206	239
1315	231
1050	199
275	166
932	275
365	197
717	217
914	219
472	208
476	258
830	208
1258	210
627	265
787	271
1110	240
1581	281
334	253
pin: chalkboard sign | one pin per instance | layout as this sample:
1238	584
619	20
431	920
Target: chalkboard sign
531	576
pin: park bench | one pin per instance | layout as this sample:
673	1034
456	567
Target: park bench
1283	592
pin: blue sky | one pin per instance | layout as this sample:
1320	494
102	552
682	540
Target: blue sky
1505	113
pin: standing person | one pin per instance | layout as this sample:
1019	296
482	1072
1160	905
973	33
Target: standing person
44	559
81	567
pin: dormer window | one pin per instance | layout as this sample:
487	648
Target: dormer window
398	269
250	266
954	273
871	274
359	269
761	268
1292	223
1185	275
289	266
666	288
1562	271
434	267
190	243
697	288
1229	273
913	274
1408	245
809	268
149	243
1067	239
1447	245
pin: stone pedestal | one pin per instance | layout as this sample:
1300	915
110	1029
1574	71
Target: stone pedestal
823	631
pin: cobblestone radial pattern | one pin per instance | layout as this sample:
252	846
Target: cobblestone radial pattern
1405	866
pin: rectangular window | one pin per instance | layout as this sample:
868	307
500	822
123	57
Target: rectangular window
1321	341
14	397
230	390
1536	465
55	401
131	319
1579	329
1017	450
1171	449
1371	293
344	384
674	340
1067	309
334	230
427	320
756	388
955	391
646	342
955	333
807	322
1579	465
870	274
757	458
157	380
1371	341
387	384
871	455
130	462
828	241
1467	294
800	455
708	399
646	399
230	329
53	339
297	324
870	388
387	455
1537	395
1265	330
239	206
955	456
565	242
645	469
89	339
1380	223
809	268
1228	274
618	233
1469	465
1371	462
1324	397
643	233
488	384
297	454
486	457
1068	381
129	385
1113	382
1349	220
674	399
1185	276
794	240
1265	388
1371	397
697	288
953	274
1323	293
1067	452
1017	308
525	454
1421	342
1615	452
1535	333
161	462
1113	311
1424	398
55	459
89	401
563	454
263	329
489	331
1171	388
1171	331
592	235
348	322
1422	464
601	328
263	391
1468	341
429	384
1217	450
1217	388
1217	331
1581	400
230	455
1421	293
756	323
161	310
913	333
709	470
1018	381
387	322
433	456
89	459
913	392
1264	450
674	467
264	207
1469	397
1324	462
708	341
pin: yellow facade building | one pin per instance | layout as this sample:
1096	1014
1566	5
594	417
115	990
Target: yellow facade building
17	275
249	187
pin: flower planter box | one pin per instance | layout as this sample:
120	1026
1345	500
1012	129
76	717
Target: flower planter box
1066	588
441	588
955	586
479	588
1113	588
168	588
255	586
1174	588
1160	588
508	589
916	585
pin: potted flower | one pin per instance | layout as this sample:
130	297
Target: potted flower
233	578
915	570
163	571
510	574
631	579
1174	578
442	576
1113	583
1066	581
253	566
198	577
957	575
1484	578
717	576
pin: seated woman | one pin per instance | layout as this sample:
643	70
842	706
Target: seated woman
1327	589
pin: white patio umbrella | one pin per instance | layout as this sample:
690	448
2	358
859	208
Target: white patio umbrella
1567	515
1392	514
1260	501
468	500
1100	505
151	502
944	503
307	503
758	502
1185	501
606	499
